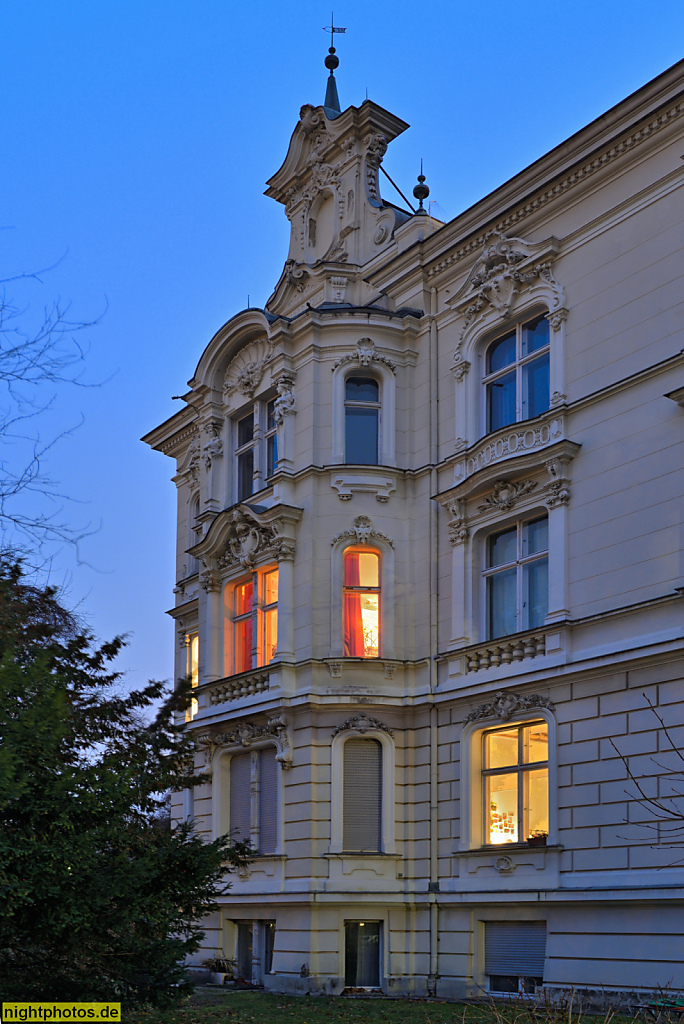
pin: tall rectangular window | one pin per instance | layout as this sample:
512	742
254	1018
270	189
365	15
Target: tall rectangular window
362	789
515	780
516	577
256	448
255	774
254	621
271	440
192	670
516	377
362	420
244	454
361	603
244	607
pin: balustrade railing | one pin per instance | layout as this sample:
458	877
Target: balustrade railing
246	684
506	651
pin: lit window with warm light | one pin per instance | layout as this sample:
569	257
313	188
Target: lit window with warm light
254	622
515	780
192	671
361	603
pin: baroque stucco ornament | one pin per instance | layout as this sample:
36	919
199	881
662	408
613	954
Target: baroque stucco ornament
362	532
246	539
362	723
244	734
246	369
504	705
365	355
505	495
505	268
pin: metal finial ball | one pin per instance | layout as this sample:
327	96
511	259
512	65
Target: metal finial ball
421	191
331	61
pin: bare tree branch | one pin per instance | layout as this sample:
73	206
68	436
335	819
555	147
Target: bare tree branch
37	354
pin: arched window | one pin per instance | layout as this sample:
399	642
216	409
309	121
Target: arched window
361	603
517	374
361	420
362	796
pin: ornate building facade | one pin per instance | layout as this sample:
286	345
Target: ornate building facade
429	572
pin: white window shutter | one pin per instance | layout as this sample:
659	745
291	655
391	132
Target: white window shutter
515	947
268	800
362	810
240	797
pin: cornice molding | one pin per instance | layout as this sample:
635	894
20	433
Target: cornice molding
558	187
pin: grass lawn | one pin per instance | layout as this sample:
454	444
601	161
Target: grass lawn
261	1008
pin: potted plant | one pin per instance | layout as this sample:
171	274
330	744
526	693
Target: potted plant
537	838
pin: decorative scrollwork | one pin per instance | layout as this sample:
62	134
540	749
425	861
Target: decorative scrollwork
505	705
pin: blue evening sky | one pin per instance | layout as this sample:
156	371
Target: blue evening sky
137	139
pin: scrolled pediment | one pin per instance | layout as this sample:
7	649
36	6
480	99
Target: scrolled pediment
507	269
244	536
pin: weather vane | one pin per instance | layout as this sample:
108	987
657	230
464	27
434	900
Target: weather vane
332	28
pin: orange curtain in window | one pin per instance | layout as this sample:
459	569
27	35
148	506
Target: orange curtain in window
353	621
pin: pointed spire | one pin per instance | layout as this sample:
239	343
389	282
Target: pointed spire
332	102
421	192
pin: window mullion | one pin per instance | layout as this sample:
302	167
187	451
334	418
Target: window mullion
255	619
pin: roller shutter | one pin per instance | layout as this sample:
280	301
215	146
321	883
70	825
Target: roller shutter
268	800
515	947
362	811
240	797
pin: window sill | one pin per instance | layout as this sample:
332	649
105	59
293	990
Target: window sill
504	848
363	854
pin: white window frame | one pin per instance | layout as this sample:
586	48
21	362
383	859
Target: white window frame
193	532
220	796
470	414
259	607
258	445
387	617
387	844
516	366
191	644
520	561
386	419
472	806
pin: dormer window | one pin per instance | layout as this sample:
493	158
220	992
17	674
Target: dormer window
517	374
361	420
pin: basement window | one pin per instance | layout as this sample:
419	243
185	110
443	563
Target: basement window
514	956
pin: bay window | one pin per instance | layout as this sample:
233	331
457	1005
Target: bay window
361	603
515	783
254	622
516	377
516	577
